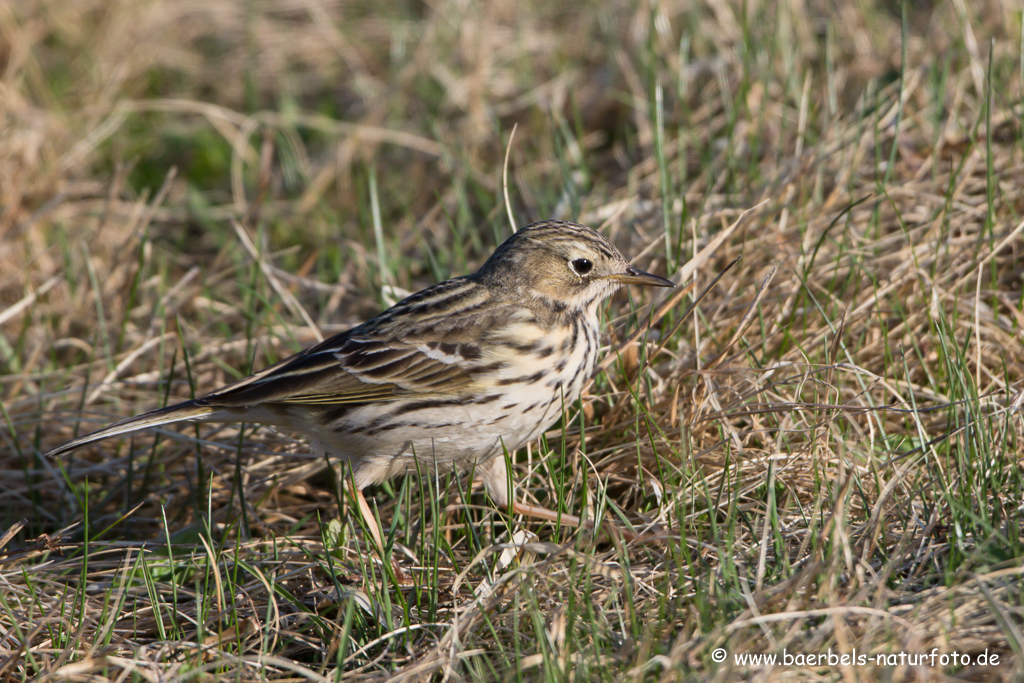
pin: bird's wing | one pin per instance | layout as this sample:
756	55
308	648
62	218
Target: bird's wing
437	343
409	350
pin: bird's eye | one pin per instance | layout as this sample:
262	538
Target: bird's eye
581	266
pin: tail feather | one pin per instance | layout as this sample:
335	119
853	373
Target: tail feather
189	410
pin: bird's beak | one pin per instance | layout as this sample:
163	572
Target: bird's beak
635	276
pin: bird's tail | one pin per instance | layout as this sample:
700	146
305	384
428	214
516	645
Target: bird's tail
189	410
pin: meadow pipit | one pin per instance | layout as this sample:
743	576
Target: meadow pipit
450	377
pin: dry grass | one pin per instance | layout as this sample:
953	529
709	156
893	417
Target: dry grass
829	443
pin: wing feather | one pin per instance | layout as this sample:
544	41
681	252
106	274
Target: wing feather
409	350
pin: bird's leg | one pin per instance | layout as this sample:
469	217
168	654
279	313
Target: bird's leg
494	475
539	512
374	528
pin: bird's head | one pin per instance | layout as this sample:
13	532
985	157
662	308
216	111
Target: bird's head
562	266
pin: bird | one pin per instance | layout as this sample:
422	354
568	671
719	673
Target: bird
449	379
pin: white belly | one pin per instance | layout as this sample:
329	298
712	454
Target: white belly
386	439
